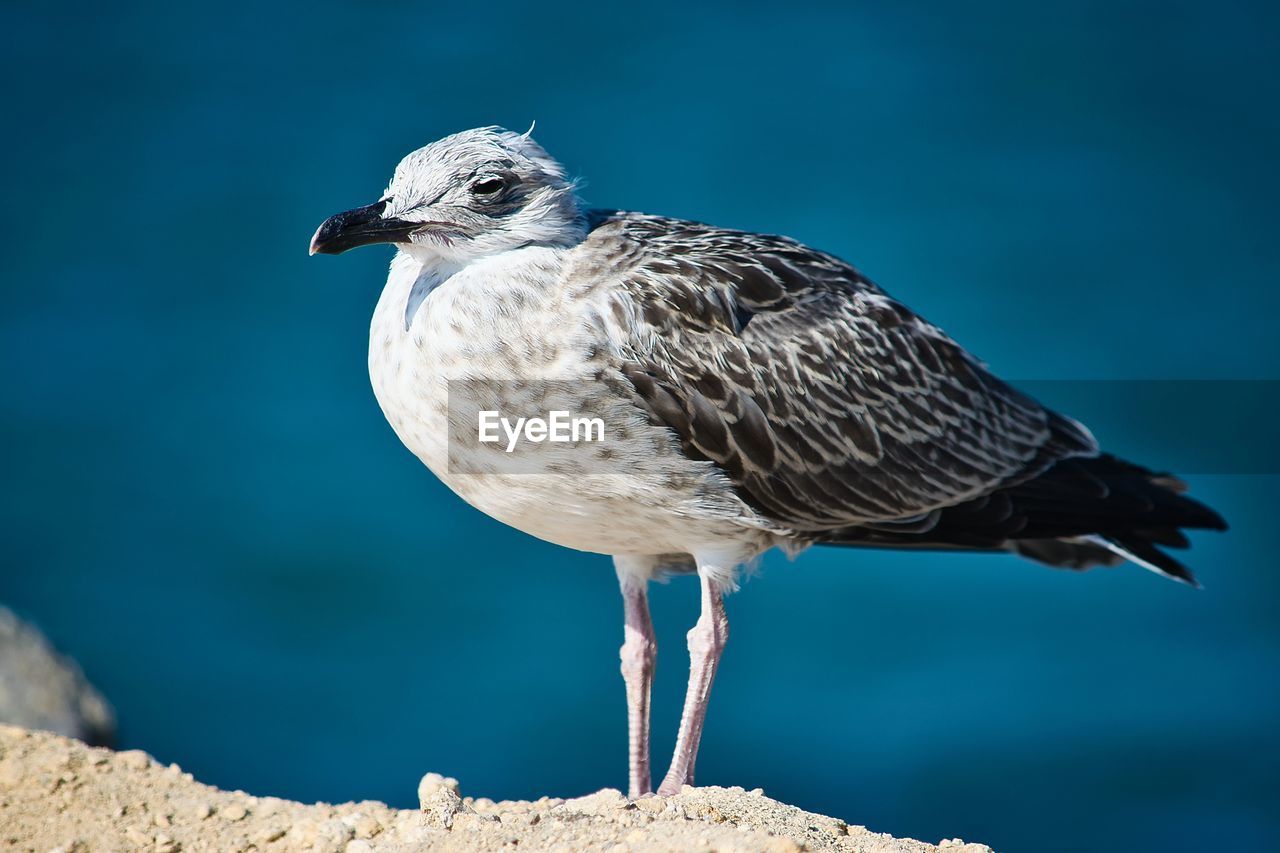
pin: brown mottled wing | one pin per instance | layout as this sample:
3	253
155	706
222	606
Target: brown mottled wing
827	403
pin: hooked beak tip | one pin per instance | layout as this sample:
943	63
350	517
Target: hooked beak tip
360	227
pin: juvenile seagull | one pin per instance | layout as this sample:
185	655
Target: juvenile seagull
763	393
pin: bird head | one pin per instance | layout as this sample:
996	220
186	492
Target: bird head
475	193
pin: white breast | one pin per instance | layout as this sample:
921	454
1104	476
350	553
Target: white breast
508	318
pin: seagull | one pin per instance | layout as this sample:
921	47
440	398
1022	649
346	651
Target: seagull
759	394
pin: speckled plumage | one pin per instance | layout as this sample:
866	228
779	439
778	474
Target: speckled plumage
668	501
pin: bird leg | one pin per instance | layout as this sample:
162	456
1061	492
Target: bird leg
706	642
639	653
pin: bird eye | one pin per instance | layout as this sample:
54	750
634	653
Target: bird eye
488	186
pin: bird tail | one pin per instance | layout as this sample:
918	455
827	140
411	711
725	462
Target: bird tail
1081	512
1128	512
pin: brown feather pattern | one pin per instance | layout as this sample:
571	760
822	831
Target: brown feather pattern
826	402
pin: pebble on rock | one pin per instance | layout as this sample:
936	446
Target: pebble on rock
433	782
442	806
654	804
273	833
235	812
137	836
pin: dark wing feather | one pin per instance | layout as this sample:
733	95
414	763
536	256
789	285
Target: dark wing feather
827	403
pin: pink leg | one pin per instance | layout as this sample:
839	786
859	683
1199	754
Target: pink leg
639	653
706	642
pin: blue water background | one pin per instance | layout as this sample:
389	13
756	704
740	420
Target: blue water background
205	507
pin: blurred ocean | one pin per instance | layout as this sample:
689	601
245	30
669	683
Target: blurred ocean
204	505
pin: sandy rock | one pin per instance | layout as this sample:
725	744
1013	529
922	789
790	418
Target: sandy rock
442	807
366	827
129	802
134	759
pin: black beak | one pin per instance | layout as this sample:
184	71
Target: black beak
360	227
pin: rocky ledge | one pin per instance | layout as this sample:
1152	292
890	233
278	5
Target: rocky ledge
57	794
